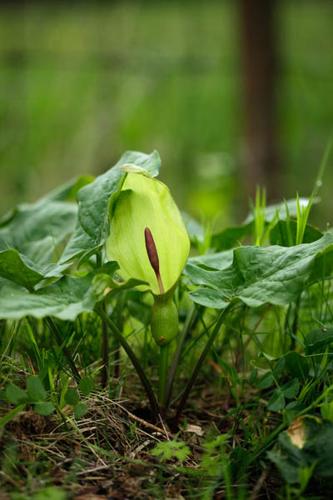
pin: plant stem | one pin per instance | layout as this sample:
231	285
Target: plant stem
135	362
294	327
105	339
200	361
191	317
116	360
54	329
119	321
163	375
105	351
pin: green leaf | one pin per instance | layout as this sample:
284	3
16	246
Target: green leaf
15	394
79	245
277	401
288	464
316	454
296	365
34	223
72	396
260	275
219	260
44	408
172	449
80	410
317	341
31	237
265	381
291	389
17	268
65	299
94	203
35	388
320	447
86	385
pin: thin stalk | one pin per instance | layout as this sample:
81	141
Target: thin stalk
105	352
54	329
163	375
196	340
191	317
294	327
287	321
200	361
105	340
118	317
135	362
116	359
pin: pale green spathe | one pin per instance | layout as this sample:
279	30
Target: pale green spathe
146	202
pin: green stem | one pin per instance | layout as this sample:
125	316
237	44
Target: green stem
119	321
191	317
116	360
105	352
135	362
294	327
163	375
200	361
105	340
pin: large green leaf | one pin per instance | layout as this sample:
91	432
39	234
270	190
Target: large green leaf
45	221
94	200
218	260
32	235
52	217
65	299
260	275
17	268
79	244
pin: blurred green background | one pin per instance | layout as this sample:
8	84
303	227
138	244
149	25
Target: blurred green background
82	82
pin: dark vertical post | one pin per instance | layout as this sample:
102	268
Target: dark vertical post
259	70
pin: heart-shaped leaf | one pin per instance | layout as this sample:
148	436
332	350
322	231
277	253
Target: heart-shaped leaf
263	275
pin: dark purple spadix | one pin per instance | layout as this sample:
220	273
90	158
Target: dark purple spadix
153	256
152	251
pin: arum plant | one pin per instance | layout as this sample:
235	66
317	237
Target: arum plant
149	241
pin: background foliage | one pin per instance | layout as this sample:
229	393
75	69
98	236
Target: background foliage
81	83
